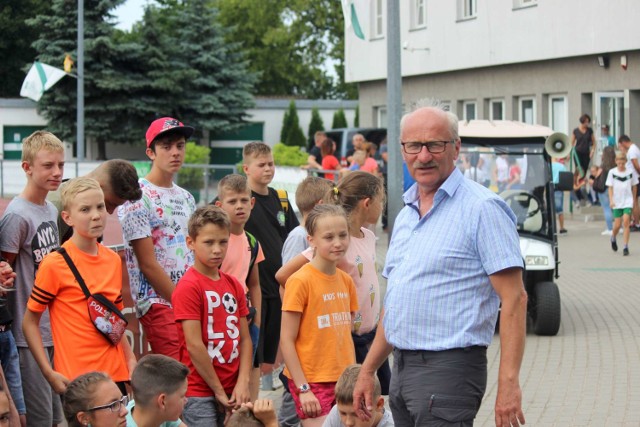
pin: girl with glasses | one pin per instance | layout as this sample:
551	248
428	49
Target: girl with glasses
93	399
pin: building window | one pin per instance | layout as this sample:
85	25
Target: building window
519	4
381	117
378	18
558	117
467	9
496	109
469	110
418	14
527	110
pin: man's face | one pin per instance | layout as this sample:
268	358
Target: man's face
428	169
168	155
46	169
260	169
358	140
624	146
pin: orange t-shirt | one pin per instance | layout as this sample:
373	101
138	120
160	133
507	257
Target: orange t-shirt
79	347
324	344
236	262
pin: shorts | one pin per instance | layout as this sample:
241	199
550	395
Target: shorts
617	213
10	362
324	392
160	330
202	412
271	313
558	197
44	407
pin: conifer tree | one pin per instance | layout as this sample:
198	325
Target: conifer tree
339	120
295	136
315	124
286	125
356	119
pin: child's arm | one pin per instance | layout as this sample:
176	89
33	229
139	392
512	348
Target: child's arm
151	268
255	294
128	355
31	330
240	392
9	257
288	334
289	268
192	330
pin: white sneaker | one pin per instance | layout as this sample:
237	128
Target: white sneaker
606	233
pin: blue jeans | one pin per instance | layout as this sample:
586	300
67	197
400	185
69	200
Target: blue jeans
606	209
11	367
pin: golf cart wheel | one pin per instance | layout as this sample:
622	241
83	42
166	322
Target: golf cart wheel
546	320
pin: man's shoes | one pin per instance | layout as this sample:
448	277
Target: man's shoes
606	233
614	245
625	251
563	231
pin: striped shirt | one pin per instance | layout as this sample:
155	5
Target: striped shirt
439	295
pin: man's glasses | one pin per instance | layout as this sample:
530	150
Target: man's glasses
433	147
113	406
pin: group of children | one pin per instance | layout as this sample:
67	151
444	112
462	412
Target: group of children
205	285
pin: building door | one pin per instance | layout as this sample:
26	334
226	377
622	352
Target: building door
609	120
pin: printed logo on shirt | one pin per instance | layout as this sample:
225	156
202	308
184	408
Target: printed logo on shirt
324	322
281	219
44	241
223	339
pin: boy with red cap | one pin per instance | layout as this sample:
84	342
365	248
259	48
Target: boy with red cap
155	230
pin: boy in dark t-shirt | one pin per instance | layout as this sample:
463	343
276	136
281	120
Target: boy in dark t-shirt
270	222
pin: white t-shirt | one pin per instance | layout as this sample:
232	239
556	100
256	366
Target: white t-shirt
162	214
475	174
333	419
502	168
622	183
633	153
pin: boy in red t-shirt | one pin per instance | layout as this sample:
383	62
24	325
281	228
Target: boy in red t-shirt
210	311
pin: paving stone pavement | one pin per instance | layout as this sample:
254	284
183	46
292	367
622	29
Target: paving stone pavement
589	374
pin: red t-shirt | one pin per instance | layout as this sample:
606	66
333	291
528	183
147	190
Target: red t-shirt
218	305
330	162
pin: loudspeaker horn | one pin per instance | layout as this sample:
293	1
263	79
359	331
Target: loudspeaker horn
557	145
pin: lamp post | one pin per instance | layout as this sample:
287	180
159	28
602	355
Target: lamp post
80	86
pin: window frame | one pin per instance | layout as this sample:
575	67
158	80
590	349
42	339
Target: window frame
521	100
381	112
377	16
415	14
557	96
502	108
471	13
464	109
524	4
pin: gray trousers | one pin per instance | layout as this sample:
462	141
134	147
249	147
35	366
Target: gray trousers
437	388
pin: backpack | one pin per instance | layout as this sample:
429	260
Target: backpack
284	199
255	246
599	183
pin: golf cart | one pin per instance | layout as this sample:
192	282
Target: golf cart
514	160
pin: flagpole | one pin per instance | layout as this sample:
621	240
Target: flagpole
394	109
80	87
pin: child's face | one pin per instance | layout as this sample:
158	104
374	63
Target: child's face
107	392
4	409
375	206
621	163
210	245
331	237
174	402
237	205
168	155
87	214
46	169
349	418
260	169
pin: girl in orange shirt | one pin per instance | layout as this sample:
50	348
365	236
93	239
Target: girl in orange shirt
319	301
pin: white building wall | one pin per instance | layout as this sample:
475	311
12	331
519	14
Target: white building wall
499	34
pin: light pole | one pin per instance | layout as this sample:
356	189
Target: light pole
80	86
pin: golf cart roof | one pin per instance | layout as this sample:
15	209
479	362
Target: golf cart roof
501	129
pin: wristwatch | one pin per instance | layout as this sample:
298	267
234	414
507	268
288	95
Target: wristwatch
304	388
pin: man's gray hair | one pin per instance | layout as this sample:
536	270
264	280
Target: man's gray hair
438	105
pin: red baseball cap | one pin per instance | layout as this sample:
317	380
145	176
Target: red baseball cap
166	124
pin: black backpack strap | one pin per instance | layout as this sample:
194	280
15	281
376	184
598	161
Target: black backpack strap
254	245
74	270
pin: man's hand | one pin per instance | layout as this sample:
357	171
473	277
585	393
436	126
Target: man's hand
509	406
58	382
363	395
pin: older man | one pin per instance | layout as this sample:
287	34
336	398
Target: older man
453	258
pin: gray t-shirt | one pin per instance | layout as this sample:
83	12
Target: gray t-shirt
333	419
30	231
296	242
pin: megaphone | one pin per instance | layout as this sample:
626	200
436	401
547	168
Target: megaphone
557	145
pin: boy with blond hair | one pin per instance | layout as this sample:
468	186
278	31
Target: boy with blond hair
234	197
155	230
271	222
159	386
29	232
80	346
343	414
210	310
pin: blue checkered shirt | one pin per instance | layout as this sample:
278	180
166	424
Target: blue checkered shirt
439	295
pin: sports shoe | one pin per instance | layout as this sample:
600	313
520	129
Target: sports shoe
614	245
563	231
606	233
625	251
